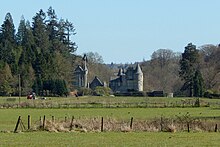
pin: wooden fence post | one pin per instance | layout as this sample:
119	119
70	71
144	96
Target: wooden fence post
188	127
41	123
22	125
131	123
71	124
29	122
216	127
16	127
161	124
44	121
53	119
102	125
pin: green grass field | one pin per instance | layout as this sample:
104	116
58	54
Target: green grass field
112	139
105	102
8	119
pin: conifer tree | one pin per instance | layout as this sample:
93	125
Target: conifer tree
198	84
188	67
7	39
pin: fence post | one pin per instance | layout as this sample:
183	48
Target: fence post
44	121
71	124
161	124
53	119
216	127
29	122
131	123
16	127
102	125
188	127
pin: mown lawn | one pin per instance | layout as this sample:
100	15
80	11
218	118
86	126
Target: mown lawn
106	139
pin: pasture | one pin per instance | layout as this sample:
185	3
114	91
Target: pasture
141	111
106	139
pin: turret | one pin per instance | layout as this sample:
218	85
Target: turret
85	71
139	78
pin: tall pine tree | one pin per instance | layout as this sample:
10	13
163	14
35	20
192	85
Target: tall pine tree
189	68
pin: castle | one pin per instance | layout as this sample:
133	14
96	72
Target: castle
81	75
128	81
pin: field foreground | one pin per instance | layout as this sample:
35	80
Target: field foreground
9	116
110	139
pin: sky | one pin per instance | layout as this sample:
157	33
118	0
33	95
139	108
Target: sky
128	31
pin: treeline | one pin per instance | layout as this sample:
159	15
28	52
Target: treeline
40	52
40	56
195	72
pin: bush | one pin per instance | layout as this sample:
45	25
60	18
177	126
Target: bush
85	91
211	94
135	94
102	91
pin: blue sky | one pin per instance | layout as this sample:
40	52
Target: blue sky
125	31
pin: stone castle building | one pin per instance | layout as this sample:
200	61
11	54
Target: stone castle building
130	80
81	75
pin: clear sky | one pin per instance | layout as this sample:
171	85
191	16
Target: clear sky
125	31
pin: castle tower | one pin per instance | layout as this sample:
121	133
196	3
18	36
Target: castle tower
85	84
81	75
139	79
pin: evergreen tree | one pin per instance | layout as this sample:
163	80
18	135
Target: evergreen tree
20	36
40	32
6	79
70	30
52	24
8	42
188	67
198	84
43	52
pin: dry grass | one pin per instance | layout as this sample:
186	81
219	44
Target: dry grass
114	125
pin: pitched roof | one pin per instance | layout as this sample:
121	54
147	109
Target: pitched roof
97	80
79	68
120	72
138	69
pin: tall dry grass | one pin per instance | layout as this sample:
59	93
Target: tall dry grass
110	124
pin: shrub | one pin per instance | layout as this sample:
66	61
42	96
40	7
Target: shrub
84	91
102	91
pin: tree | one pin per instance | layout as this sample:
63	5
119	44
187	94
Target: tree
39	52
52	24
70	30
161	72
40	32
97	67
210	66
188	67
198	84
8	42
162	56
6	80
21	31
94	57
